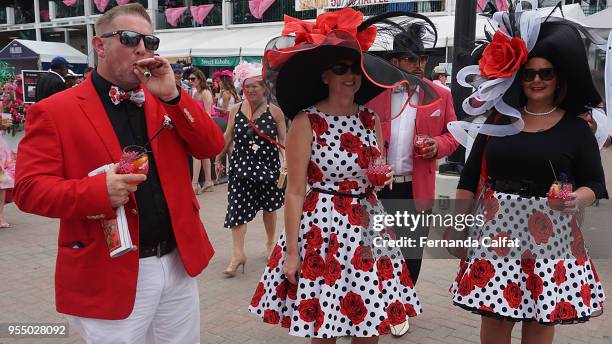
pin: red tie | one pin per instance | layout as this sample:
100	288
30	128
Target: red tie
117	95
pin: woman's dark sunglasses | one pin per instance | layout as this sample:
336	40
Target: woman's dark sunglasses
193	79
340	68
545	74
131	39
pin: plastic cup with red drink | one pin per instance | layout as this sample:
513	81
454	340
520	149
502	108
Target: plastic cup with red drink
420	143
377	172
558	194
134	160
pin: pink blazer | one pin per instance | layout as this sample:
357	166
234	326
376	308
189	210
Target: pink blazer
430	120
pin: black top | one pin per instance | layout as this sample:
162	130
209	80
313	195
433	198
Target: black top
48	85
130	126
569	145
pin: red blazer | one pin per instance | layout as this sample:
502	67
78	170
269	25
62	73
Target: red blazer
67	136
430	120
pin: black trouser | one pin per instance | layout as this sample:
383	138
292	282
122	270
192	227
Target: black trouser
390	200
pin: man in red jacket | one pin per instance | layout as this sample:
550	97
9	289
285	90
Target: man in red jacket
150	294
415	172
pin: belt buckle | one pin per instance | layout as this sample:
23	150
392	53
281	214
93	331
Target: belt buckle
158	250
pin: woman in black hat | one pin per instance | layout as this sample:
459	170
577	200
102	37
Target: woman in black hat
323	279
540	272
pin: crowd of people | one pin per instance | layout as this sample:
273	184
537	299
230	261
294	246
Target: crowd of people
325	113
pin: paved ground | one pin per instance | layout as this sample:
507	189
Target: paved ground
27	262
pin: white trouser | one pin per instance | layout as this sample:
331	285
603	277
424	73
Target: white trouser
166	310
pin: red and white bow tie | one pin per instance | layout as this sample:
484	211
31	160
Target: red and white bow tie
117	95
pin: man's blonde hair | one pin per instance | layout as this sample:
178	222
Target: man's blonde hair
103	23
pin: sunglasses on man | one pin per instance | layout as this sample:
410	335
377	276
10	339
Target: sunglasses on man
340	68
131	39
545	74
421	59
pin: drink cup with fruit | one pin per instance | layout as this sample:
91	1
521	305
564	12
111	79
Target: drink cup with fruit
421	141
134	160
558	194
377	172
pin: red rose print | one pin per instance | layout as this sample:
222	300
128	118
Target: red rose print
271	317
348	185
314	240
371	197
527	262
357	215
319	127
384	270
535	285
353	307
275	257
577	246
504	246
342	204
466	285
332	246
366	155
384	327
559	274
367	119
350	143
313	265
258	294
513	295
410	310
396	313
291	290
281	291
574	224
563	311
310	310
314	173
490	206
585	293
310	202
540	226
405	278
286	322
462	267
485	308
481	272
333	271
503	56
362	258
595	275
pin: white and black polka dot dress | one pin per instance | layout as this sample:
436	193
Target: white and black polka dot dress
345	287
549	279
254	171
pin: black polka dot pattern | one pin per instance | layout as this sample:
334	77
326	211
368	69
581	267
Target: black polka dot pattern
344	288
254	171
560	290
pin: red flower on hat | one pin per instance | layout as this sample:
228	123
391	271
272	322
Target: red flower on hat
503	56
347	20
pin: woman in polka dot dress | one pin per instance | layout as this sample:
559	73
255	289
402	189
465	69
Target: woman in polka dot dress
548	279
254	168
325	279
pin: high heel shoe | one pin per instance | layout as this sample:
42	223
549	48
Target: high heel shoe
230	271
208	187
197	189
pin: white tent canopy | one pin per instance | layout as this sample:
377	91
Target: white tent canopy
48	50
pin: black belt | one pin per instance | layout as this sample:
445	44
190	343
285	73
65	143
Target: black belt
162	248
344	194
523	188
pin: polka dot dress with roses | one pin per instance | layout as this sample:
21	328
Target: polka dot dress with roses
344	289
253	174
532	286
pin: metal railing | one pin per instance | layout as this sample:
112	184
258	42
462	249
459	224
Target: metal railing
214	18
112	4
63	11
241	14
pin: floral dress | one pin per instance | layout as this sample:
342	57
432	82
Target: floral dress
346	286
7	166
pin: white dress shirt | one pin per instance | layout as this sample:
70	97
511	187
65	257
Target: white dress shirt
402	132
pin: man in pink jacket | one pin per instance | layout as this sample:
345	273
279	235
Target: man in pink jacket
414	173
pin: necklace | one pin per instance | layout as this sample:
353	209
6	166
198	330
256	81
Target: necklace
539	113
